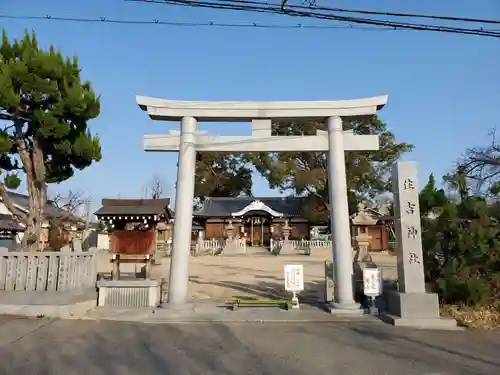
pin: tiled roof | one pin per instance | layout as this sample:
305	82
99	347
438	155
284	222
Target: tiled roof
224	206
22	200
7	223
113	207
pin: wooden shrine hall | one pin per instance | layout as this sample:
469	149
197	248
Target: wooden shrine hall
136	226
255	219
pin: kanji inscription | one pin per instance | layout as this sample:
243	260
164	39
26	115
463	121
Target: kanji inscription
408	184
413	258
410	208
408	228
412	232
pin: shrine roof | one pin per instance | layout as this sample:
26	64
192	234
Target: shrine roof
21	201
8	223
227	206
114	207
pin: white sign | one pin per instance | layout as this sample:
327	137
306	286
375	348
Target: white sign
372	282
294	278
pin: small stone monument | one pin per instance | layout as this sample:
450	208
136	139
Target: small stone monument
363	245
231	246
410	305
287	246
362	259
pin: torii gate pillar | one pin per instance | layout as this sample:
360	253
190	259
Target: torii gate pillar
335	141
184	195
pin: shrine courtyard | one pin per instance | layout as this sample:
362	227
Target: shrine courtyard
256	275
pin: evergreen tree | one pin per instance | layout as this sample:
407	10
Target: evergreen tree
221	175
305	173
461	247
45	107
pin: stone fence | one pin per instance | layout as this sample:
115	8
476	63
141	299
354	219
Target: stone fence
47	271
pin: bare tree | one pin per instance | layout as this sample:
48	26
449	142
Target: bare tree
71	203
156	188
478	169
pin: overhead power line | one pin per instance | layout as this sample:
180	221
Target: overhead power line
368	12
299	11
137	22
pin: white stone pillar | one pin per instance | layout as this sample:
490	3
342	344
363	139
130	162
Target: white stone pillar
410	305
179	264
339	218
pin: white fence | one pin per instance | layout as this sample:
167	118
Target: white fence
310	244
47	271
214	246
301	246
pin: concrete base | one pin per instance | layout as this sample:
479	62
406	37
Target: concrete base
129	293
448	324
418	310
209	312
287	249
345	310
233	247
188	306
70	304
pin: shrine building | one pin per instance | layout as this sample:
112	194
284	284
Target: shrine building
260	219
136	226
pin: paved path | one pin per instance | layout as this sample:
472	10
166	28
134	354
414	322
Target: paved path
66	347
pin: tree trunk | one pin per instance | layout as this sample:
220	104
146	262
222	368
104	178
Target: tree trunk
37	191
33	236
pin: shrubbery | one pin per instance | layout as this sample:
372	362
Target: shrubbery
461	243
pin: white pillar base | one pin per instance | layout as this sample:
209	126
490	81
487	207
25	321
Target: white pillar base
354	309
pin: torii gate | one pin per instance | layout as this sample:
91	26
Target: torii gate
189	141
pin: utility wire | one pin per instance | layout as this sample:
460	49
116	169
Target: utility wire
369	12
253	6
48	17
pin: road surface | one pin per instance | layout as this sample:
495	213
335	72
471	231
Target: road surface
71	347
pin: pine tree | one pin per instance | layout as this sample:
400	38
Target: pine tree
45	107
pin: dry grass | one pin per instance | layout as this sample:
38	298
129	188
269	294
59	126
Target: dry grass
475	317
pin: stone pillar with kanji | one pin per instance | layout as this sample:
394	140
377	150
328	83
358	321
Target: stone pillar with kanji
410	305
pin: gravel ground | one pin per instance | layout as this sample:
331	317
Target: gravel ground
256	275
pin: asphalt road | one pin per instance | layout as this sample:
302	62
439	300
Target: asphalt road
69	347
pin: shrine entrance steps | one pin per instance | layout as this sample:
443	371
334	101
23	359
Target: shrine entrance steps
257	250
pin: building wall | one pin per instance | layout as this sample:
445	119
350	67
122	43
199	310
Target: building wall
216	229
379	236
103	241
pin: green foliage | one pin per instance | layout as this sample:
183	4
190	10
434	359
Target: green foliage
305	173
461	247
222	175
46	107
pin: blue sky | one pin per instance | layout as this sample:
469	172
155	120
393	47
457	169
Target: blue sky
443	89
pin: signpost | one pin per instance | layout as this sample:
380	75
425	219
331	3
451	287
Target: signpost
294	281
372	286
